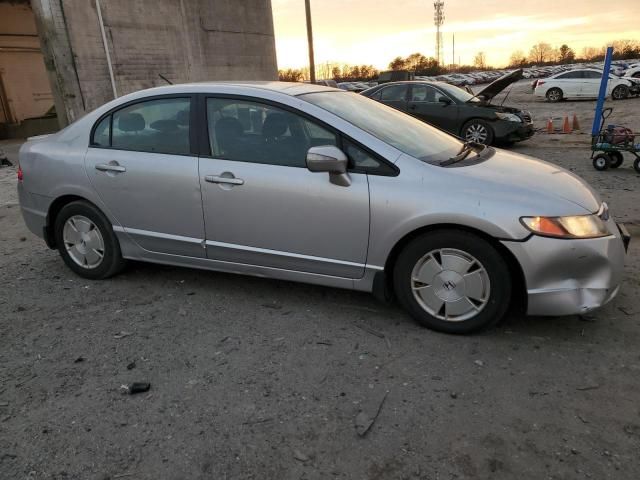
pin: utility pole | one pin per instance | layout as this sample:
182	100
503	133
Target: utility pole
453	54
312	63
438	20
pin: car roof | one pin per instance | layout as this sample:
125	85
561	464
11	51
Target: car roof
287	88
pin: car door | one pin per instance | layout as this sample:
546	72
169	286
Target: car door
263	207
424	103
394	95
569	83
140	162
590	83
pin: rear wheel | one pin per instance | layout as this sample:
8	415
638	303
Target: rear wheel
86	241
620	92
616	159
636	165
478	131
601	162
452	281
554	94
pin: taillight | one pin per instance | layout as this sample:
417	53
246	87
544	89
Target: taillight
540	82
20	175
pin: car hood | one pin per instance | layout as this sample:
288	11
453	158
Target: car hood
495	87
526	177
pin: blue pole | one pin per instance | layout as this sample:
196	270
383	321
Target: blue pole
597	120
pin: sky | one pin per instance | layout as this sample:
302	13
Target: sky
373	32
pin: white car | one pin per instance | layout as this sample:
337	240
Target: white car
633	71
581	83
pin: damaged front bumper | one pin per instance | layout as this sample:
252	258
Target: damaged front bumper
567	277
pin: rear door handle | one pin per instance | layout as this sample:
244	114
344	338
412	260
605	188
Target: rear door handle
110	167
226	180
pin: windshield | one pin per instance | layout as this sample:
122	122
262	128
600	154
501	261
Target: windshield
457	93
398	129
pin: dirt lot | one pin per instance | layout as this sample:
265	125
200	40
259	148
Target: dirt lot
254	378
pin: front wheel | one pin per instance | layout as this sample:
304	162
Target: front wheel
452	281
478	131
636	165
620	92
86	241
601	162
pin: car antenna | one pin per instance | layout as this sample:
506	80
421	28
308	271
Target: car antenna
165	79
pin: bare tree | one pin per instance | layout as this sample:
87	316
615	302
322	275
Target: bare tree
540	53
517	59
291	75
480	60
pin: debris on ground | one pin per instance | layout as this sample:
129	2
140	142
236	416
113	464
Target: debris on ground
364	422
370	330
131	366
135	387
121	334
298	455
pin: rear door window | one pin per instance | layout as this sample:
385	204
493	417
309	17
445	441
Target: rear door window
393	93
154	126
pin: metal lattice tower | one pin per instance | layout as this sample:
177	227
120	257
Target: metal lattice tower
438	20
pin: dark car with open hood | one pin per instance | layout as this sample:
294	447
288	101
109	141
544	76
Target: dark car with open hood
470	116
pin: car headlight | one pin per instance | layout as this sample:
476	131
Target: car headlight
508	116
579	226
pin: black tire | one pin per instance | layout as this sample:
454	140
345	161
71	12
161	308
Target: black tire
636	165
601	162
479	126
620	92
554	94
112	261
499	296
616	159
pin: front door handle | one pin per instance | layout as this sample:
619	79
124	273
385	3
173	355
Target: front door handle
225	180
110	167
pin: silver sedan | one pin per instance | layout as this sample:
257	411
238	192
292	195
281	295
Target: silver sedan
307	183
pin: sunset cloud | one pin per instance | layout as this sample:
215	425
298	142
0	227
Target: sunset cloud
359	31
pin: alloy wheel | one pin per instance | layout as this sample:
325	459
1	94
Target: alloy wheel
83	241
476	132
553	95
450	284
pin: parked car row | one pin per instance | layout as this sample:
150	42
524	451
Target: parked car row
356	86
618	68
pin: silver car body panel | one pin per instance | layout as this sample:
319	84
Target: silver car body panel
165	212
595	266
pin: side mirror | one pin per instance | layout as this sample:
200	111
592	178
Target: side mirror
332	160
445	100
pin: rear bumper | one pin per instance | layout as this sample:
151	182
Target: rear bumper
567	277
34	218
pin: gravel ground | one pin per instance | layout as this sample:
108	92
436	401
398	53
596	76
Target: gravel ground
254	378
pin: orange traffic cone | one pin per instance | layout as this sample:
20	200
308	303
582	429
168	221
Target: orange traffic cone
550	125
566	128
576	125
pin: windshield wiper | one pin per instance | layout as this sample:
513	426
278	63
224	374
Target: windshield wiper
467	148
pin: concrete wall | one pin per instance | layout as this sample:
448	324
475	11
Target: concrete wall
184	40
24	87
